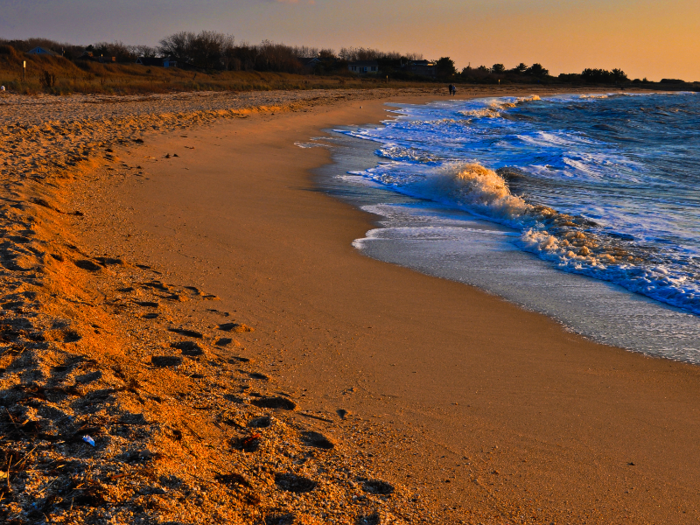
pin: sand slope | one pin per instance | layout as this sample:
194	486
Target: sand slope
115	404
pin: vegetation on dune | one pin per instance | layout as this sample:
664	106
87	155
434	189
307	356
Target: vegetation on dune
215	61
60	76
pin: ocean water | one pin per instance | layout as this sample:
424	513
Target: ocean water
585	208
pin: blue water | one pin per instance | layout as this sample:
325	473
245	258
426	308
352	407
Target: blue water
604	186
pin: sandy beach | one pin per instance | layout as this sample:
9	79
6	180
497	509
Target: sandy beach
175	287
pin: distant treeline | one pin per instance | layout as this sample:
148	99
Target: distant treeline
498	73
210	52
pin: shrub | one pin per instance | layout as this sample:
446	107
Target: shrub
47	80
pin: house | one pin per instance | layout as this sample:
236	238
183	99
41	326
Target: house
42	51
363	67
157	62
309	63
423	68
89	55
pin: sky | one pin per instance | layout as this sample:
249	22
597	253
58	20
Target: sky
646	38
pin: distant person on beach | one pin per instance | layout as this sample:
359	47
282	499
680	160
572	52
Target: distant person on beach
454	90
450	88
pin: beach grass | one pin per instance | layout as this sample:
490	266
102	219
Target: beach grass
59	76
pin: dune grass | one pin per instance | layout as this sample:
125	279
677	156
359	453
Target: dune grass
59	76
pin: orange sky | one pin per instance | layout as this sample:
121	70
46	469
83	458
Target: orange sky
646	38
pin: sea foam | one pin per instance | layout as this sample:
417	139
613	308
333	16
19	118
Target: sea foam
595	191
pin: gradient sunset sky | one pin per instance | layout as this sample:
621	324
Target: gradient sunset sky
646	38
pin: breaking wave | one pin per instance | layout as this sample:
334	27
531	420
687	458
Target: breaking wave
496	107
583	194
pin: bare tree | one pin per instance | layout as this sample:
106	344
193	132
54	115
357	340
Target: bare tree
119	50
177	45
276	57
144	51
353	54
306	51
208	49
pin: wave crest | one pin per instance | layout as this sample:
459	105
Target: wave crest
481	188
571	240
496	108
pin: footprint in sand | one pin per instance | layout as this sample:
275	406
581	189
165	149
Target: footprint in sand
133	419
109	261
88	378
186	333
372	519
247	444
136	456
260	422
219	312
198	293
63	335
147	304
293	483
87	265
157	285
281	519
162	361
317	440
275	402
188	348
232	479
374	486
235	327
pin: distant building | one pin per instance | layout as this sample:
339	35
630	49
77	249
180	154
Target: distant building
423	68
308	63
89	55
363	67
157	62
42	51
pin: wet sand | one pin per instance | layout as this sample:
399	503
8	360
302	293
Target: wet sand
486	412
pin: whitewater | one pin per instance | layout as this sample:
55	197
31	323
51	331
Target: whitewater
602	186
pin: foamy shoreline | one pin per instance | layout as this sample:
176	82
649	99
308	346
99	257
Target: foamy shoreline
416	161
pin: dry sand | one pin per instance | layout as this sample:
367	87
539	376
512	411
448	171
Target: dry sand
280	351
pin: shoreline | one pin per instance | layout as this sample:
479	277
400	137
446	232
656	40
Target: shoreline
516	420
469	250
